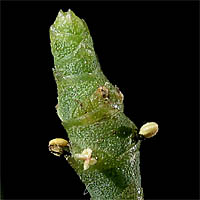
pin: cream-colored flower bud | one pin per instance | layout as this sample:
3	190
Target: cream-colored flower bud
57	146
149	129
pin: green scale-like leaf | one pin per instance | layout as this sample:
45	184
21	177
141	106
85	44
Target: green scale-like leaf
92	119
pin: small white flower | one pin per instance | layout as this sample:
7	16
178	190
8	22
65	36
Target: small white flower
86	156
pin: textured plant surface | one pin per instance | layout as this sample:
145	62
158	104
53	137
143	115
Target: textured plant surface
103	142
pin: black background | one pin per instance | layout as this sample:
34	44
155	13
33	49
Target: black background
148	49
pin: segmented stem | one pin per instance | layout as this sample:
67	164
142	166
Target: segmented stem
91	111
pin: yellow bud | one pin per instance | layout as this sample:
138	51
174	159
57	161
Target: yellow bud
57	146
149	129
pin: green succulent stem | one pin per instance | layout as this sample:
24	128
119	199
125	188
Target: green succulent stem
91	111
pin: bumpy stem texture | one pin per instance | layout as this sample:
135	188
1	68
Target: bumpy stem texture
91	111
